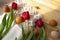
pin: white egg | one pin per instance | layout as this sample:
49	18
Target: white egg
54	34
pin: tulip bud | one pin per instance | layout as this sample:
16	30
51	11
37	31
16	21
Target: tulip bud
25	15
14	6
39	23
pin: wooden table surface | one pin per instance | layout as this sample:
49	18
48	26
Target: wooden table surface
49	9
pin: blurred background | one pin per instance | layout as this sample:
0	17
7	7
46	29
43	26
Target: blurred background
2	2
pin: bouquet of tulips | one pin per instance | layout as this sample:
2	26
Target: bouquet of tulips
37	32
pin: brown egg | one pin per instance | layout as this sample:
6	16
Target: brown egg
52	22
6	8
18	19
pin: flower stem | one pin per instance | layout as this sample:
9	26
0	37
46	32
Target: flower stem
27	26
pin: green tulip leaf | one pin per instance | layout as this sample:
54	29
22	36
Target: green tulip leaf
1	27
9	22
40	34
44	34
31	35
23	33
15	38
4	20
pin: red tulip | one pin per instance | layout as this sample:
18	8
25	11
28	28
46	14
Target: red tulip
25	15
39	23
14	6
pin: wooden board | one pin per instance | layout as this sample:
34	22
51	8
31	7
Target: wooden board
56	2
49	9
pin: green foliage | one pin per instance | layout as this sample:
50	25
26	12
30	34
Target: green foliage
30	35
40	34
44	34
6	24
15	38
23	33
2	25
9	22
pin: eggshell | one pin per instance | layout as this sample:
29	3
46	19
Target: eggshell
5	8
18	19
54	34
53	22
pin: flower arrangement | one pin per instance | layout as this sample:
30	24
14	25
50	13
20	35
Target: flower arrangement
36	32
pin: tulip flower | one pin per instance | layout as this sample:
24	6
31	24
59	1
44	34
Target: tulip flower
39	23
25	15
14	5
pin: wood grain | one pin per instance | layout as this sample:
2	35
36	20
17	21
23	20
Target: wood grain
50	10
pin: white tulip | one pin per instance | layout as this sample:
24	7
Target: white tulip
31	23
37	16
